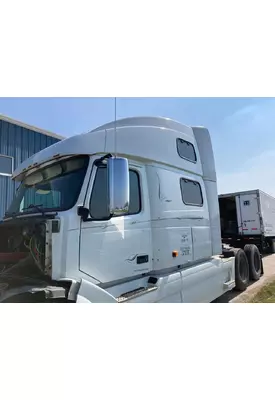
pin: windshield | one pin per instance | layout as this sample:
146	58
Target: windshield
54	188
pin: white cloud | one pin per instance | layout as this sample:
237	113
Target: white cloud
258	171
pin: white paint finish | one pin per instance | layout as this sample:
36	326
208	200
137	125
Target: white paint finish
267	207
156	144
74	145
174	298
250	214
65	247
89	292
201	242
204	282
146	138
169	289
119	289
256	218
82	299
204	144
66	243
165	194
108	253
175	225
65	255
170	286
148	121
168	239
105	251
59	250
109	249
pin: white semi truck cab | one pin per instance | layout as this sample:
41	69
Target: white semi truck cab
125	213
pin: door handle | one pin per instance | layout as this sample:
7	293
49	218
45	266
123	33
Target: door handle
142	259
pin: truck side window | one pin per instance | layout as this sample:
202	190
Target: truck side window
191	192
98	201
186	150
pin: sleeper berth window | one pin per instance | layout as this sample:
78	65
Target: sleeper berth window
191	192
186	150
98	201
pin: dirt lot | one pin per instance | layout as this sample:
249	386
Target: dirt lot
269	276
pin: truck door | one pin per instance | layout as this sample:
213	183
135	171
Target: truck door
249	214
118	248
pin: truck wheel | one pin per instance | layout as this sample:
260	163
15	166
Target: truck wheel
254	260
272	246
241	270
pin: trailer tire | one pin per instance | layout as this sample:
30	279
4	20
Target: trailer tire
241	270
271	245
254	260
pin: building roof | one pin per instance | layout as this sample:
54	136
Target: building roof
30	127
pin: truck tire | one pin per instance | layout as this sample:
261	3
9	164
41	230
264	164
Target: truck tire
271	246
254	260
241	270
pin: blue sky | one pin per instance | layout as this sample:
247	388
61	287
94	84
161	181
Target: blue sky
242	129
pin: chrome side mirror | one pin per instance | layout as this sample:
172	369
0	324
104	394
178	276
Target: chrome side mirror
118	185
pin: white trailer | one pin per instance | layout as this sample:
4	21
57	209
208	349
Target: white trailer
126	213
248	216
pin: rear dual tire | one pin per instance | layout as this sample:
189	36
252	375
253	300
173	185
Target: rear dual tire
241	270
248	266
254	260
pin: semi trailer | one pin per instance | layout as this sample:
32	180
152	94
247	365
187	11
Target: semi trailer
128	212
248	217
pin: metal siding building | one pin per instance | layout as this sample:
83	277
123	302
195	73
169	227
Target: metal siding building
18	141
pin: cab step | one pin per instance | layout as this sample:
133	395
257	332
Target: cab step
135	293
229	285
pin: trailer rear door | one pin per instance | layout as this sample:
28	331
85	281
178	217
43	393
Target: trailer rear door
248	214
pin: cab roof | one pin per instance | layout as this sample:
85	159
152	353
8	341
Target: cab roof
157	141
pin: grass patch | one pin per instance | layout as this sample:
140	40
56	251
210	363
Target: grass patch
265	295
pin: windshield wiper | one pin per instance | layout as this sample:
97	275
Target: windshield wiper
36	207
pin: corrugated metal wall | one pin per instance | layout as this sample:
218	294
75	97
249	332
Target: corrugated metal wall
19	143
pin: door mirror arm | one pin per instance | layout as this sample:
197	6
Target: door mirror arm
84	213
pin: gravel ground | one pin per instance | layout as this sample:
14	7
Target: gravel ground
269	276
